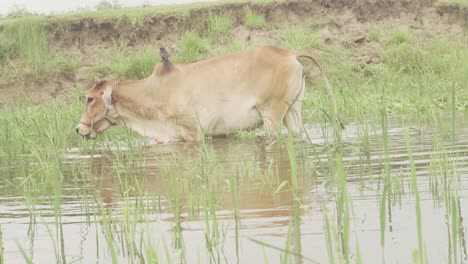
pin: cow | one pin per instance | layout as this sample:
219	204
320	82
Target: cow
185	101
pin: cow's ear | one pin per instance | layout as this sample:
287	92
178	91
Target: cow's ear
107	97
96	79
164	54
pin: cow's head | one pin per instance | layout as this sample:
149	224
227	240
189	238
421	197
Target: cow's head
98	114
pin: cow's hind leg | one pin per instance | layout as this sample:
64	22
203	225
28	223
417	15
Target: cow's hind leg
272	119
188	128
293	117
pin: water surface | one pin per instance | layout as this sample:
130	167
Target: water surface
245	200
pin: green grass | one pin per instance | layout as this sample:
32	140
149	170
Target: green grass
298	39
253	20
192	47
219	25
316	24
25	53
399	36
128	64
461	3
375	35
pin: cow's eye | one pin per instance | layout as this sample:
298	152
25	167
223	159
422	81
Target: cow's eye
90	99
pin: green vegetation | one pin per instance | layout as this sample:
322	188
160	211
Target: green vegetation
461	3
399	36
298	39
152	203
192	46
219	25
126	63
253	20
317	24
27	41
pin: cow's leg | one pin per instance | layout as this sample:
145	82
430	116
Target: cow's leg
188	128
293	118
272	118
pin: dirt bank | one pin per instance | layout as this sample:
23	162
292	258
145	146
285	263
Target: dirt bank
90	36
90	31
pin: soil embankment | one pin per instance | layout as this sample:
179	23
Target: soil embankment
91	35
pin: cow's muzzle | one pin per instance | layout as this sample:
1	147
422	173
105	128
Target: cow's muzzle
85	131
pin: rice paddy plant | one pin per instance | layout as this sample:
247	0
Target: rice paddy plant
234	190
421	252
2	258
328	235
293	164
172	187
151	254
454	127
26	255
253	20
131	217
343	210
55	242
106	222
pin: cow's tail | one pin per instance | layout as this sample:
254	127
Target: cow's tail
327	82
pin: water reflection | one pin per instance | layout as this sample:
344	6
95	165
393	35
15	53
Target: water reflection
256	167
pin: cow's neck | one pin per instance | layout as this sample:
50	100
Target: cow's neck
135	99
136	103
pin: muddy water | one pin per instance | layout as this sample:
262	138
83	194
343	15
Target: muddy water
126	197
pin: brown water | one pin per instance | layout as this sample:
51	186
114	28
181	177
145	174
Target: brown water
134	186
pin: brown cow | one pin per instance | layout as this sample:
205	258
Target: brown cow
212	97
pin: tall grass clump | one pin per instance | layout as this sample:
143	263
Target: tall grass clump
399	36
219	25
26	39
298	39
405	58
421	252
254	20
128	64
320	23
192	46
29	36
8	49
142	63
